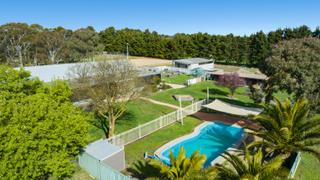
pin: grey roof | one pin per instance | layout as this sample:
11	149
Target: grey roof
51	72
193	61
246	75
48	73
102	149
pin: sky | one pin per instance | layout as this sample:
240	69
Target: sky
239	17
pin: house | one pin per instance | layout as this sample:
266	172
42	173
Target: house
249	77
193	63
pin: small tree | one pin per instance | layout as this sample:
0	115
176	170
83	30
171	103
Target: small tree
287	127
248	165
110	85
231	81
256	93
183	167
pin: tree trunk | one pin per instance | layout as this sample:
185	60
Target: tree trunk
232	92
52	56
20	58
111	125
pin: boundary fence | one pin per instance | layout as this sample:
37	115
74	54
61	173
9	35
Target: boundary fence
143	130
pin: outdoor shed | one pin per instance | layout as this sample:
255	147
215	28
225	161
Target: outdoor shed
107	153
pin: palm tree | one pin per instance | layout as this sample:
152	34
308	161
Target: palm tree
250	167
183	167
287	128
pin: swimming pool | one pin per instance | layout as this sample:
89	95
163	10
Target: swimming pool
211	139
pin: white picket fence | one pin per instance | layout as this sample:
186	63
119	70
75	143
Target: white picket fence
143	130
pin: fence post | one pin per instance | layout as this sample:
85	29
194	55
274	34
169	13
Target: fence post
207	99
180	109
139	131
192	107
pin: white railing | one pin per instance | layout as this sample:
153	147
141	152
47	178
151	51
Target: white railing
143	130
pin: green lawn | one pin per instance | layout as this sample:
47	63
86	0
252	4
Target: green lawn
177	79
138	112
134	151
80	174
308	168
199	91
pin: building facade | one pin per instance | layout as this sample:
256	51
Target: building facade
193	63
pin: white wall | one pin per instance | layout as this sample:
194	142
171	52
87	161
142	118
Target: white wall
208	67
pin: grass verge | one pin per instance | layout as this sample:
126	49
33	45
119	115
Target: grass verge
308	168
138	112
134	151
199	91
177	79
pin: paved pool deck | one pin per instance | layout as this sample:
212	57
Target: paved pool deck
227	119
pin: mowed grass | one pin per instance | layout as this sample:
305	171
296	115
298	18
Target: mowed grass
138	112
134	151
80	174
199	91
308	168
177	79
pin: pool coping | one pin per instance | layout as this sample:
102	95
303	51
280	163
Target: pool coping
195	132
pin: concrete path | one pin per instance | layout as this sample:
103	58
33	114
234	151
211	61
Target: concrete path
160	103
176	86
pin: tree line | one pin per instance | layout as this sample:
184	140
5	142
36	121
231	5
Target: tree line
23	44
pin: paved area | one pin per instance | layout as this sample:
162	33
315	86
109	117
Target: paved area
160	103
219	117
146	61
175	86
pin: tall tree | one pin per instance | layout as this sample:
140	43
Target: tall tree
111	85
52	41
294	66
316	33
259	48
16	39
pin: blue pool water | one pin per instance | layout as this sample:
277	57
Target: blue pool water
213	139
